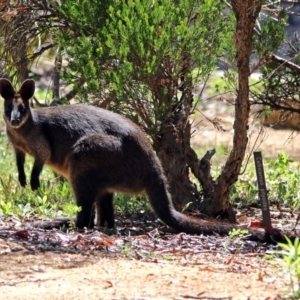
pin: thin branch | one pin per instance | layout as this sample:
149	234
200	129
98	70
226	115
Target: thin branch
287	63
41	51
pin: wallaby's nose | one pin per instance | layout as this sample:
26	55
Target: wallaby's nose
15	122
15	118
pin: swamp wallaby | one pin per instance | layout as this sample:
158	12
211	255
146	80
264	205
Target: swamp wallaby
99	152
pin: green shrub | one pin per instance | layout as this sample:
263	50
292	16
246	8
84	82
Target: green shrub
282	180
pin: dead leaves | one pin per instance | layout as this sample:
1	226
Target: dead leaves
22	234
152	246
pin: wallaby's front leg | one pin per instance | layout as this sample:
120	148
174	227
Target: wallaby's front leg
20	158
35	174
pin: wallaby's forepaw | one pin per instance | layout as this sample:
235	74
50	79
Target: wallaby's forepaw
22	180
35	184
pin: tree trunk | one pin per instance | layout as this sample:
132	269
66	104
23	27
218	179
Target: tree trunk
20	59
216	194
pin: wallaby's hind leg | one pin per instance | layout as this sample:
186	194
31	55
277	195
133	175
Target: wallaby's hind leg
85	195
94	167
105	210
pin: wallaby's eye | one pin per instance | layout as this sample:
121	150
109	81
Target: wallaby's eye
22	108
8	109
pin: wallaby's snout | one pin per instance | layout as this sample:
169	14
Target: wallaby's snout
15	112
15	122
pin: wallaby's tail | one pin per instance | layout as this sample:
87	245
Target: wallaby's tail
165	210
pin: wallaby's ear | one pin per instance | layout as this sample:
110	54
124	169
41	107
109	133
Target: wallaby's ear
27	89
6	89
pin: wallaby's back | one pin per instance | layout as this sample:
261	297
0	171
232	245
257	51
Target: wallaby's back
63	126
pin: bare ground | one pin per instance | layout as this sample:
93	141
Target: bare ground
101	275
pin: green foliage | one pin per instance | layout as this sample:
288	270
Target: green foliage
237	233
126	204
278	85
245	190
279	82
126	249
282	179
291	260
236	236
137	52
284	176
270	34
83	44
164	30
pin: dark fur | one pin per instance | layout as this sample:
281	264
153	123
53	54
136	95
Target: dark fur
98	151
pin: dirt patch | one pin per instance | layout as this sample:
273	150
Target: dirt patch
100	275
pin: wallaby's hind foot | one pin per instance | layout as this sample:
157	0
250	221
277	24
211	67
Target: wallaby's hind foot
105	210
102	207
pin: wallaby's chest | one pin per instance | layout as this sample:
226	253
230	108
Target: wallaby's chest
20	143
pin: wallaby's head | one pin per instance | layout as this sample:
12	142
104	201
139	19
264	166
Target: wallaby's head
16	104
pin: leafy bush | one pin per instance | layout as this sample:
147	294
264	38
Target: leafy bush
290	259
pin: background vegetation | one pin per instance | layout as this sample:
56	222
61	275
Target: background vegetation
146	59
